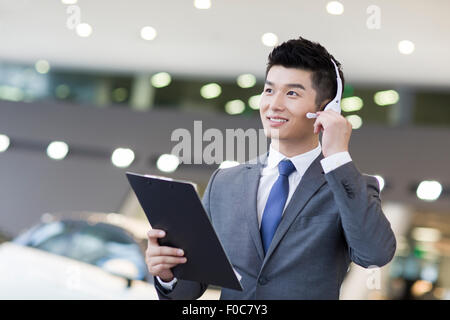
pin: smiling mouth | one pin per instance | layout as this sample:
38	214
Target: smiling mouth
277	119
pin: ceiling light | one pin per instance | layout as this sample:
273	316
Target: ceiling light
210	91
57	150
167	163
429	190
426	234
202	4
161	79
69	1
42	66
387	97
148	33
122	157
355	120
4	142
335	8
351	104
269	39
83	30
254	101
235	107
406	47
246	80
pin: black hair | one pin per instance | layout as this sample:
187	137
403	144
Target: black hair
310	56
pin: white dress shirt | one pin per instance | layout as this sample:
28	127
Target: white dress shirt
269	174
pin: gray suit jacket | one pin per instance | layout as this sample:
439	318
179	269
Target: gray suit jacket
331	220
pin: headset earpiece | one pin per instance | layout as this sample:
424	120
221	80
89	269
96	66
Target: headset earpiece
334	104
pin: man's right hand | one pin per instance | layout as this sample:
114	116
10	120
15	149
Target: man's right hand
161	259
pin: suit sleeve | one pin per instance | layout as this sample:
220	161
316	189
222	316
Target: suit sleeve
367	231
184	289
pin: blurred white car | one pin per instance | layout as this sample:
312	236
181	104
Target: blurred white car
79	256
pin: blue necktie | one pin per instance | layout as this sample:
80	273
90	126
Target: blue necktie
275	203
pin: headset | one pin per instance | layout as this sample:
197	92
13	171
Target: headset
334	104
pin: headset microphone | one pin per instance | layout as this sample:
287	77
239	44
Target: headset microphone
334	104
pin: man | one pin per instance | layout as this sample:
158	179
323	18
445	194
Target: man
291	223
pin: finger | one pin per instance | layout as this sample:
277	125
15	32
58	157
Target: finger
153	235
165	251
331	118
327	114
331	114
156	233
161	267
318	124
167	260
318	129
324	118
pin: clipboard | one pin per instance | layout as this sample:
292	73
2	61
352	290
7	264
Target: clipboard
175	207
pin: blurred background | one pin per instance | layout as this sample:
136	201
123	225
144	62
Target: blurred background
92	89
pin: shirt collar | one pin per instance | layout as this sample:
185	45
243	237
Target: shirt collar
301	161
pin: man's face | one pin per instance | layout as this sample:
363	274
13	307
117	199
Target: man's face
288	96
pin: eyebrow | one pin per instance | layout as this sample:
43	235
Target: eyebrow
289	85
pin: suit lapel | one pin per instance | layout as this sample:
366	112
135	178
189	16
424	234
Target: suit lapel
312	180
252	175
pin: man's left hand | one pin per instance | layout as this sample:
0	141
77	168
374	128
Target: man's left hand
336	132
